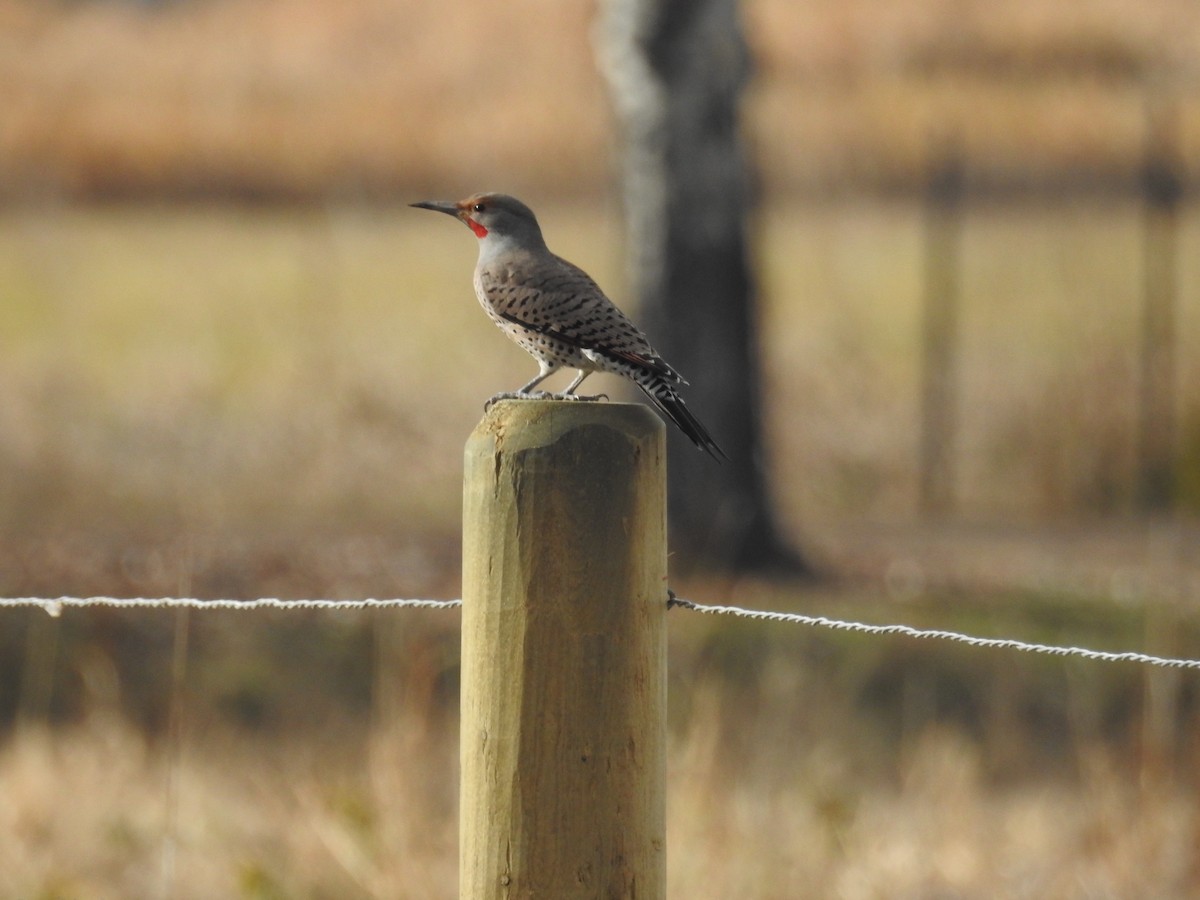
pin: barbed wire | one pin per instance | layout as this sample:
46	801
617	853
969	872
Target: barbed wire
935	634
55	605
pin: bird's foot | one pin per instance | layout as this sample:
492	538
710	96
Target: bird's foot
517	395
513	395
539	395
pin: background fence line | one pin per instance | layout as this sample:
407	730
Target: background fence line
55	605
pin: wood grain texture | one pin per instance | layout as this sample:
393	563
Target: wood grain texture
564	653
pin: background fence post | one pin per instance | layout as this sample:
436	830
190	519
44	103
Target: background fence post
563	741
1162	191
939	329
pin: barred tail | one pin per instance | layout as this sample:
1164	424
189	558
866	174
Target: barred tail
668	402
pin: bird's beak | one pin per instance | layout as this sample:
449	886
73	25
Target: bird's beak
449	207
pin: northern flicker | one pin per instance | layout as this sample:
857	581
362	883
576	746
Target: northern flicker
558	313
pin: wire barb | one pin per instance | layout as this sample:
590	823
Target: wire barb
673	601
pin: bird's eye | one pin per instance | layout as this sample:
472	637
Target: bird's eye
478	207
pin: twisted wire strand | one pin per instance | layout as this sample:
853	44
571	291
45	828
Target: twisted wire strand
935	634
55	605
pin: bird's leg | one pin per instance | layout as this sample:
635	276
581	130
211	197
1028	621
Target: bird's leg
545	370
583	373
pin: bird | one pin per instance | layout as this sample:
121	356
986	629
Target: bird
558	314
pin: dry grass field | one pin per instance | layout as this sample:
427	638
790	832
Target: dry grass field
320	98
246	399
768	798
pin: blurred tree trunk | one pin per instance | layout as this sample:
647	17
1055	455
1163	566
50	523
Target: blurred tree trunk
676	70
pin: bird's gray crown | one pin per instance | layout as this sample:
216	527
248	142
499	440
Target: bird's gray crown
504	216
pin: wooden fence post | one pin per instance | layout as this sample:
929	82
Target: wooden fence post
1162	191
563	740
939	330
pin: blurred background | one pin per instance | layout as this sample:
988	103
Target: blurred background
233	363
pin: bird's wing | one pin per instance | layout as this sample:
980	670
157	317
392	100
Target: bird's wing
570	336
570	307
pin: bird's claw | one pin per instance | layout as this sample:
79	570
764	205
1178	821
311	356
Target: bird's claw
517	395
540	395
587	398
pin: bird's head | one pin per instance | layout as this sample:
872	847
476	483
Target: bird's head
491	215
